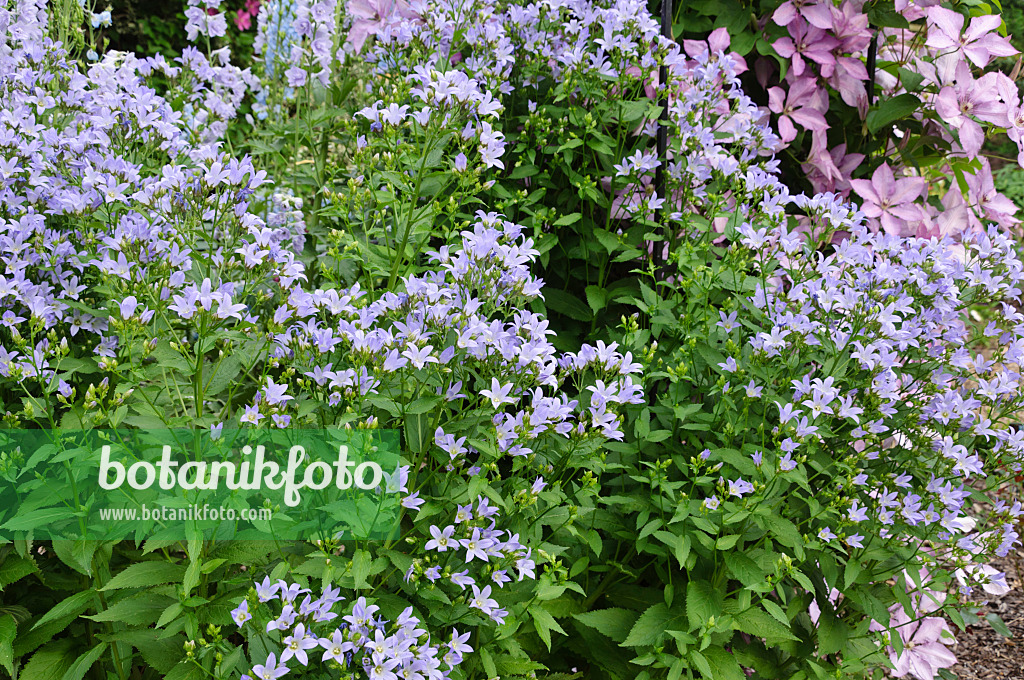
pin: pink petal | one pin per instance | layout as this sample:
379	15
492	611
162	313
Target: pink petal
784	14
971	138
930	630
784	47
947	21
866	190
809	119
947	106
819	16
718	40
786	130
884	181
982	25
907	189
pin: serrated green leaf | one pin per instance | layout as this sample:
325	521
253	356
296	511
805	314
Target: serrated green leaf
544	623
566	304
702	602
723	665
597	298
758	623
614	623
776	611
145	574
653	625
82	665
142	609
8	629
833	632
744	569
15	568
50	662
361	568
71	606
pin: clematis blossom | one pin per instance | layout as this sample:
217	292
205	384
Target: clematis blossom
924	646
965	99
796	106
890	200
979	43
807	42
370	16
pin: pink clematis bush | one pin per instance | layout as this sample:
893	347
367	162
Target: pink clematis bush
930	76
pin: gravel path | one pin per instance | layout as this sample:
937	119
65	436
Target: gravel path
984	654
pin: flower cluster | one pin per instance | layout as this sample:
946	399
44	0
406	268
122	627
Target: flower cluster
826	46
357	641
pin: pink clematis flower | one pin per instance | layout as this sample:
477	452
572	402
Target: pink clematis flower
807	42
890	200
984	198
924	651
796	106
979	43
816	13
717	41
1015	131
912	10
831	173
965	99
370	17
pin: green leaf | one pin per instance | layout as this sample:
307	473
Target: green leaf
187	670
833	632
886	17
744	569
783	531
723	665
72	606
145	574
50	662
597	298
8	629
566	304
701	664
76	554
702	602
162	653
544	623
142	609
998	625
566	220
14	569
80	667
169	614
891	110
614	623
910	79
653	625
361	568
607	239
758	623
776	611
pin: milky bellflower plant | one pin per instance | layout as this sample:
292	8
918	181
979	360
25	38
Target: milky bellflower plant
808	436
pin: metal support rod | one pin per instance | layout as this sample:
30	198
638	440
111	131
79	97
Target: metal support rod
662	136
